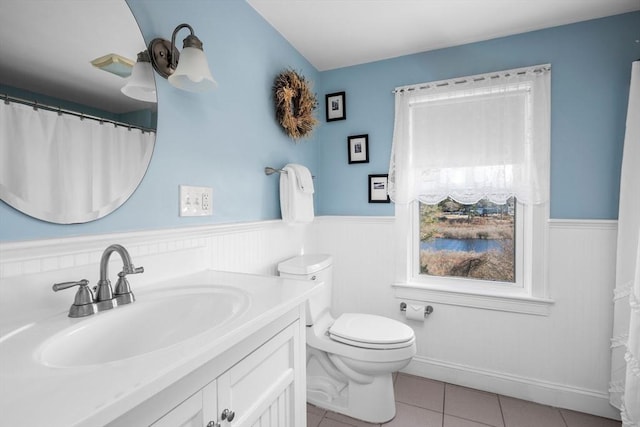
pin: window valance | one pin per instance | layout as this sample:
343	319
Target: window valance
472	138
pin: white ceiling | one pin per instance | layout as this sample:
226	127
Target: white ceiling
46	47
338	33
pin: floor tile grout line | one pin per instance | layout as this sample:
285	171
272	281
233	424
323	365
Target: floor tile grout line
504	422
444	397
564	420
464	418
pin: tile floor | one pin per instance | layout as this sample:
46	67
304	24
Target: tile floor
422	402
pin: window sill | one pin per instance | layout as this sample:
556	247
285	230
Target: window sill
489	301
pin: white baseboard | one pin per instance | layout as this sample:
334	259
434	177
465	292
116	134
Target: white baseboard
543	392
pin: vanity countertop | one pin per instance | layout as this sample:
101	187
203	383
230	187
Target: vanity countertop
32	393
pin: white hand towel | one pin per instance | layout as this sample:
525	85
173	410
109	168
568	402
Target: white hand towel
296	196
303	178
285	196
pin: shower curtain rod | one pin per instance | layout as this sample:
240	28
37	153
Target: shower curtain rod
36	105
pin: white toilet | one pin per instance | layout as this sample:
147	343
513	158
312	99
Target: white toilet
350	359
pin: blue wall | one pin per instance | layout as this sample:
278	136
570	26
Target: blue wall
224	139
591	69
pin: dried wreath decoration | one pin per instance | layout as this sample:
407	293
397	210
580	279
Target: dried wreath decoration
295	104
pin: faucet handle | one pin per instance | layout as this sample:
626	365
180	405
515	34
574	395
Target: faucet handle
65	285
83	304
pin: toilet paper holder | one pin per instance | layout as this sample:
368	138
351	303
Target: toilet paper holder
427	310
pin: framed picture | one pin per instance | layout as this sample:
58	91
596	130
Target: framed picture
378	188
336	106
358	146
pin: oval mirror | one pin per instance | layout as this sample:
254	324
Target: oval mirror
73	146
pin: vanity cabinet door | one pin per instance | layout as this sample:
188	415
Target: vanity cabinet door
261	382
260	390
197	411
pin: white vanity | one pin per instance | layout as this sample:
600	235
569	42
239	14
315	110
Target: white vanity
209	349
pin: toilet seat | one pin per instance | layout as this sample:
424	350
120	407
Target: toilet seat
371	331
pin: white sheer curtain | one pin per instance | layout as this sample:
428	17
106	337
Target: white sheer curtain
471	138
625	348
66	169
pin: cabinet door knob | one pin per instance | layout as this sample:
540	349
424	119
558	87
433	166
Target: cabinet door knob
213	424
227	415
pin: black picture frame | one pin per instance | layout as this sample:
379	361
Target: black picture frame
379	188
358	148
336	106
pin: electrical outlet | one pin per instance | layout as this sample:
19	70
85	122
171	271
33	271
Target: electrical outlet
195	201
206	201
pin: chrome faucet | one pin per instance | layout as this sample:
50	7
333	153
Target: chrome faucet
105	297
85	304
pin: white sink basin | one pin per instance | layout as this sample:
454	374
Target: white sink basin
155	321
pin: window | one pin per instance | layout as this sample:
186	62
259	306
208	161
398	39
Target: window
469	175
475	241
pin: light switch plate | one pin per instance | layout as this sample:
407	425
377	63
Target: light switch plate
195	201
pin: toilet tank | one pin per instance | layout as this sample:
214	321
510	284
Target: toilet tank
316	267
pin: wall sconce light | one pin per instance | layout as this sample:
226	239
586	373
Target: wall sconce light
141	85
189	70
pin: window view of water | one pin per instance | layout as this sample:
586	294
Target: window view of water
462	245
474	241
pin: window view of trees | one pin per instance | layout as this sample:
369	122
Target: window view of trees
474	241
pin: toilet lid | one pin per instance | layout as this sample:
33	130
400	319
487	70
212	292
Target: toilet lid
371	331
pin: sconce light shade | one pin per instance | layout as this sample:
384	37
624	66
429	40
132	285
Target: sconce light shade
187	70
141	85
193	72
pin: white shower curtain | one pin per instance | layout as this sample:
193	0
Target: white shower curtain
65	169
625	354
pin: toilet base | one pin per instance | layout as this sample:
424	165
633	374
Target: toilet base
373	402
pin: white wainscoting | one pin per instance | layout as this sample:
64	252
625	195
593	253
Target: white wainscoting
561	359
28	269
362	249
